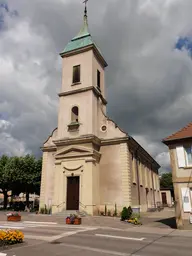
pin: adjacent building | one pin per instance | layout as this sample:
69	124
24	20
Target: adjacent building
166	197
180	149
88	161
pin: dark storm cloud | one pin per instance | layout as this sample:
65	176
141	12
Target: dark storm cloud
148	81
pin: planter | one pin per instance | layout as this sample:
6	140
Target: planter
77	221
68	221
13	218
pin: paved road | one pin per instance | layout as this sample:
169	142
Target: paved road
51	239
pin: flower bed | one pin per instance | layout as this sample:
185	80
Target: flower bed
73	219
10	237
127	215
134	221
13	216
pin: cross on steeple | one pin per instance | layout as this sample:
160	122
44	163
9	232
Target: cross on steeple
85	2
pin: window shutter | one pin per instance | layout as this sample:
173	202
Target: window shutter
185	192
180	156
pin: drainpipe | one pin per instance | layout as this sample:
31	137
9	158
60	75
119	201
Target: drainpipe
153	186
138	182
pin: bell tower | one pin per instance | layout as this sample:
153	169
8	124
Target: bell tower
82	95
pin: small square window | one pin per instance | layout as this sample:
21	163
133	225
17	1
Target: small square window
76	74
98	79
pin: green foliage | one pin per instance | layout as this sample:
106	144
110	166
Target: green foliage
42	210
129	211
105	210
135	215
115	212
166	180
126	213
20	174
109	213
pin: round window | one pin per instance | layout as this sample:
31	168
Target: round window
103	128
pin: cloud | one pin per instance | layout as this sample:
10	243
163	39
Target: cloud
148	81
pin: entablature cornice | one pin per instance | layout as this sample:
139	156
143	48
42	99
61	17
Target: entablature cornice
49	149
85	89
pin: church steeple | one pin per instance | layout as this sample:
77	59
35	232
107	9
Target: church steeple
84	29
83	41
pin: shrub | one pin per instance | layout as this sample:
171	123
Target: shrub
49	210
124	214
105	210
115	212
46	210
109	213
8	237
42	210
129	212
135	215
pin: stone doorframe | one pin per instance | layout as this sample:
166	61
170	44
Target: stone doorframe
72	168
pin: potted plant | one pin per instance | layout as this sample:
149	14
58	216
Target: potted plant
77	220
73	219
68	220
13	216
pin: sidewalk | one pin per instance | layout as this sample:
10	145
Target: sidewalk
151	225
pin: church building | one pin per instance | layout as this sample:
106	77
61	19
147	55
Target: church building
89	163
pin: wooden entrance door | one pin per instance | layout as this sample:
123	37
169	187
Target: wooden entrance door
73	193
164	198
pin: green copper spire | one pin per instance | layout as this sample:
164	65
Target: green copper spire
84	30
83	39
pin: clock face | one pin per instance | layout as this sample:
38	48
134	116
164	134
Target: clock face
104	128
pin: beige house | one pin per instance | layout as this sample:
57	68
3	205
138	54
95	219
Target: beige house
180	149
88	161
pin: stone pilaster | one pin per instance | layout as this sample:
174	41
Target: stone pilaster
43	180
126	175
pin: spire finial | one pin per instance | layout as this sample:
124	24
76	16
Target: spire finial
85	12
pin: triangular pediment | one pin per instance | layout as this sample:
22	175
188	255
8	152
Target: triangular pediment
74	151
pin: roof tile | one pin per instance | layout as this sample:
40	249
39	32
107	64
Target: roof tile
184	133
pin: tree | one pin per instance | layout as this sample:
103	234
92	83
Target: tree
4	184
166	180
8	175
30	175
20	174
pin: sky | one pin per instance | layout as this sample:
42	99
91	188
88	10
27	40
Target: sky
145	42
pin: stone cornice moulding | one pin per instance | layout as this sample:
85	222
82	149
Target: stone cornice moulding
83	139
89	88
106	142
143	154
49	149
84	49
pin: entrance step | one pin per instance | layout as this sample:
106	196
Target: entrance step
66	213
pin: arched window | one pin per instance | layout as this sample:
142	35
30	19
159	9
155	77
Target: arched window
75	114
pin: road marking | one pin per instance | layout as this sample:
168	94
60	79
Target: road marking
56	237
121	237
38	222
69	233
11	227
97	250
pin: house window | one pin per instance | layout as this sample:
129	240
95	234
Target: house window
98	79
76	74
75	115
188	154
184	156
